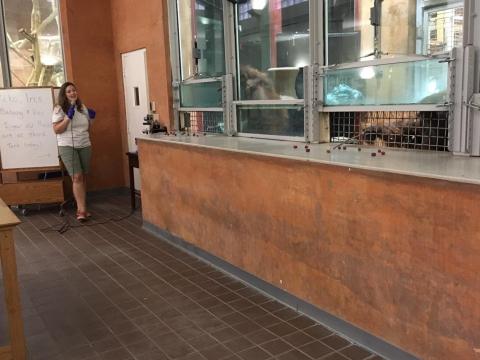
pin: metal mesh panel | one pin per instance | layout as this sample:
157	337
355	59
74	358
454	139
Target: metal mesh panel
203	121
421	130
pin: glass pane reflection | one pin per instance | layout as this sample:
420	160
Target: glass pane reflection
205	94
416	82
201	35
273	46
280	120
367	29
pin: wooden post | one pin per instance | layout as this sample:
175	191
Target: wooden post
17	348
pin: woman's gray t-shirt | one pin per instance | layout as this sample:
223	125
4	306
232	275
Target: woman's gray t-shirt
76	134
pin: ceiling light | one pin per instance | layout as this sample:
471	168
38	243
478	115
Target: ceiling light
259	4
367	73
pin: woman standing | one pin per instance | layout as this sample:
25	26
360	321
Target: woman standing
71	122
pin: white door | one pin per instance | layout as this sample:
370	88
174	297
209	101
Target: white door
136	98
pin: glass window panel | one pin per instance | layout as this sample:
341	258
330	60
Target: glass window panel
205	94
281	120
365	29
201	38
416	82
35	46
273	46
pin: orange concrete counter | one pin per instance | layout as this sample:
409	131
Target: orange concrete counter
395	255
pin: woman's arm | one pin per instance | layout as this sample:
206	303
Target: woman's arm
90	114
61	126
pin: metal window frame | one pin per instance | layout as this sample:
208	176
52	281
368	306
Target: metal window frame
272	137
314	77
173	34
466	128
393	108
310	103
200	109
230	79
313	92
60	29
460	75
265	102
5	63
175	60
387	61
269	102
202	80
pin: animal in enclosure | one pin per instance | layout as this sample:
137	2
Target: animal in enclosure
412	130
257	85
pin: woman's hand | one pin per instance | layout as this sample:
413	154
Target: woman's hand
71	112
91	113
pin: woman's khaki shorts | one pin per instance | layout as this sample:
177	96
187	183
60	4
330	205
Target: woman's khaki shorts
76	161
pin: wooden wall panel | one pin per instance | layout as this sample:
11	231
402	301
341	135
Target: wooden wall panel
90	64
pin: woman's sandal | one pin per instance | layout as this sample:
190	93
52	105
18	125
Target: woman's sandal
82	216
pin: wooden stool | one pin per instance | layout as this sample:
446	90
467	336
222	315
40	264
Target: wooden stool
17	349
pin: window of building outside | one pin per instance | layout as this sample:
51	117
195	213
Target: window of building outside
359	30
443	28
34	43
273	47
201	38
362	30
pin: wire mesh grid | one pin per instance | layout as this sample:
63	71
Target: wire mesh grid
420	130
203	121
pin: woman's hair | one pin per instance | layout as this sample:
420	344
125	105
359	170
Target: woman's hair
63	101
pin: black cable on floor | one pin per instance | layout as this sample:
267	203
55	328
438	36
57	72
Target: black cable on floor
66	225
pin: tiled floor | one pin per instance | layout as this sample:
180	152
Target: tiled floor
113	291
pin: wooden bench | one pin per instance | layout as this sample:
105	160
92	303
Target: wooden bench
16	350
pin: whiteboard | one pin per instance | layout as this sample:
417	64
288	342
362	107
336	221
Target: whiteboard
27	139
